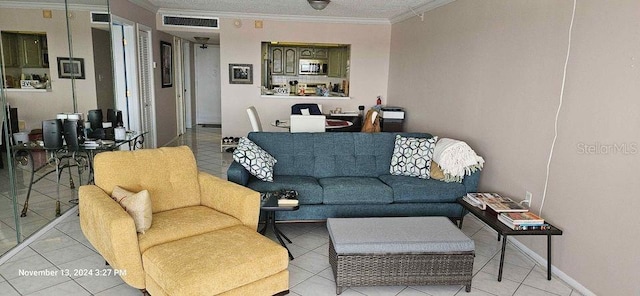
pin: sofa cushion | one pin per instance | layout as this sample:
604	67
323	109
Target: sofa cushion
309	191
324	155
412	156
408	189
355	190
253	158
183	222
214	262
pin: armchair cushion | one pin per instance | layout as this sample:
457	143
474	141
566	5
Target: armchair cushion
183	222
242	256
170	174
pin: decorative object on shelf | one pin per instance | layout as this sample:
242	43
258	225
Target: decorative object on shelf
71	68
166	66
318	4
240	73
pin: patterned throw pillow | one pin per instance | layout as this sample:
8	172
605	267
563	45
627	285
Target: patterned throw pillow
412	157
253	158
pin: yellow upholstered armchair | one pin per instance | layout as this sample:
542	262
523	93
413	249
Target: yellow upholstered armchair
202	239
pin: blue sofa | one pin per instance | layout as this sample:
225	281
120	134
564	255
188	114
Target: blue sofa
347	175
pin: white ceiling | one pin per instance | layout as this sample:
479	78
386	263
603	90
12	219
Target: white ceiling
340	11
374	10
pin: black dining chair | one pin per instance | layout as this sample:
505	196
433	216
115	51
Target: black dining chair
314	109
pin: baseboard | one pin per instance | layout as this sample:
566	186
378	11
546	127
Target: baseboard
563	276
25	243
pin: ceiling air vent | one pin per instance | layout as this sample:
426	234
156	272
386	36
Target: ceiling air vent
190	21
100	18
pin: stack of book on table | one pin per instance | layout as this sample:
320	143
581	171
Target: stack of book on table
287	198
523	221
509	212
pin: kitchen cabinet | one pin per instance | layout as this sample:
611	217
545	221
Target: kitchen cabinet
30	51
338	62
290	61
277	58
320	53
284	61
10	45
314	53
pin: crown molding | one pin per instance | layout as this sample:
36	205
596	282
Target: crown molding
52	6
278	17
419	10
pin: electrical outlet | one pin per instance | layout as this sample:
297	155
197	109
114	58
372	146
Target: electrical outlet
527	198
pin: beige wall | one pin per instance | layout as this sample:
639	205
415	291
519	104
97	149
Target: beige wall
165	102
59	99
369	67
490	73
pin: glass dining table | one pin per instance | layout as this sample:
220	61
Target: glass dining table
66	157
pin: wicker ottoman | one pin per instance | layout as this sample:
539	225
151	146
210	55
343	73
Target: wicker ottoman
399	251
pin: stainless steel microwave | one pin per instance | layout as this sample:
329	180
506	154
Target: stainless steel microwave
313	67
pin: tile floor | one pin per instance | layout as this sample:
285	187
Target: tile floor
65	248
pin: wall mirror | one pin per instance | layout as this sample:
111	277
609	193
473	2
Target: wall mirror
44	44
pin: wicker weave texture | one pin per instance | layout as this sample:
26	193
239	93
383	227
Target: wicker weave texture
401	269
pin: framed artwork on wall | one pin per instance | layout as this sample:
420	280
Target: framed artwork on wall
71	68
166	66
240	73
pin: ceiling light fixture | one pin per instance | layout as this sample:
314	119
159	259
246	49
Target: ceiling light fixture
202	40
318	4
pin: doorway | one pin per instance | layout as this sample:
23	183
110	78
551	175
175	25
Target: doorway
186	64
125	70
147	96
208	98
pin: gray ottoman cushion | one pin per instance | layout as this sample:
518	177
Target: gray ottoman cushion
397	235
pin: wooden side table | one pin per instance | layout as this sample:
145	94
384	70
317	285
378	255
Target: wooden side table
504	231
270	207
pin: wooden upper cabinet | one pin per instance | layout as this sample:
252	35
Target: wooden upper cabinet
320	53
290	61
30	51
10	44
306	53
314	53
338	62
277	60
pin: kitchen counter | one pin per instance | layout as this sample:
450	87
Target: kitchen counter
314	97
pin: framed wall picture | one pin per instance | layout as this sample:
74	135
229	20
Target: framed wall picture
166	65
240	73
71	68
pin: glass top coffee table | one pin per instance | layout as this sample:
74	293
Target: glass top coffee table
270	207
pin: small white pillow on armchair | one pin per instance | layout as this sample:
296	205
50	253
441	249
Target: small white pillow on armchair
137	205
254	159
412	156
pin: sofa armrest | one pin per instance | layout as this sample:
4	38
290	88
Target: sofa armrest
112	232
230	198
471	182
236	173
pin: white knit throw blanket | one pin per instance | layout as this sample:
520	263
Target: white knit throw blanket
456	159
